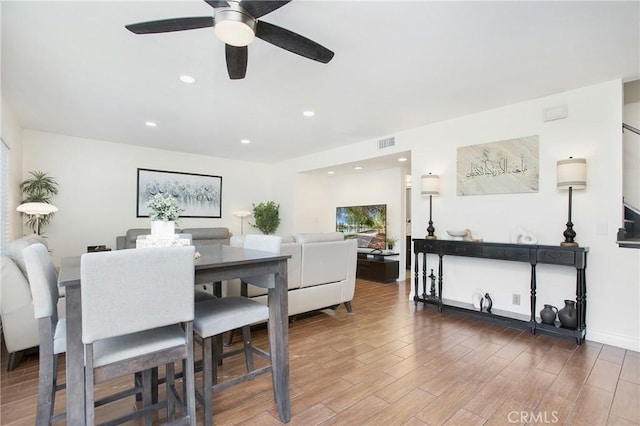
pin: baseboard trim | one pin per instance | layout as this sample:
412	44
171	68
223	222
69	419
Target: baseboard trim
619	340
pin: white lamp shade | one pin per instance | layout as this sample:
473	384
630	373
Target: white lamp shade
430	185
37	208
572	172
242	213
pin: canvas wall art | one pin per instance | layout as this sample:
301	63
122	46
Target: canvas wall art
199	195
502	167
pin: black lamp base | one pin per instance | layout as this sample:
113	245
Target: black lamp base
566	244
430	228
569	233
569	236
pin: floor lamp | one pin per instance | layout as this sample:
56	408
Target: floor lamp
430	186
38	210
242	214
571	174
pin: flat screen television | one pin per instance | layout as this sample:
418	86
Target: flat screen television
366	223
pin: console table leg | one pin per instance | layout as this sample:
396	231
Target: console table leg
533	298
416	277
439	283
424	277
581	302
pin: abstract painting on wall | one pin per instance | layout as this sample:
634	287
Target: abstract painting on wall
503	167
199	195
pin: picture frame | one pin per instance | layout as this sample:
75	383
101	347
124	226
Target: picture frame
504	167
198	194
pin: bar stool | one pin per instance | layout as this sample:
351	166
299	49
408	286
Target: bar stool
216	316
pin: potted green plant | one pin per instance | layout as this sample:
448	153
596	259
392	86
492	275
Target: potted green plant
164	212
39	188
391	242
267	217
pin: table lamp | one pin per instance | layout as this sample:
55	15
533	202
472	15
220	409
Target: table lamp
38	210
429	186
571	174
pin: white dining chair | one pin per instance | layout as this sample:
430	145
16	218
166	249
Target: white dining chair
51	329
217	316
185	239
137	314
52	333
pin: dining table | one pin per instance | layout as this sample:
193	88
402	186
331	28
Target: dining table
213	264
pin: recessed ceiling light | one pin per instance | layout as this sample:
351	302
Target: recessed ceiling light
357	168
331	172
187	79
402	159
245	141
308	113
150	123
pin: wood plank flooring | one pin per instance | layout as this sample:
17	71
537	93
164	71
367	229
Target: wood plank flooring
390	363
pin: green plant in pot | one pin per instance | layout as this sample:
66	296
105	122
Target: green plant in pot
391	242
164	212
39	188
164	207
267	217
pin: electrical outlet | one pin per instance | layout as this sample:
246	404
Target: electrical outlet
515	299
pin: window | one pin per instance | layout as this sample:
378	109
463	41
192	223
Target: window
4	196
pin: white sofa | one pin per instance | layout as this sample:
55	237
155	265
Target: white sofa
321	272
19	326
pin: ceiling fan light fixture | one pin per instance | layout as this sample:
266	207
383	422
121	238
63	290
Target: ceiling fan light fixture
235	27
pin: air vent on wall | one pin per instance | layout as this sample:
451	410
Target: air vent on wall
387	142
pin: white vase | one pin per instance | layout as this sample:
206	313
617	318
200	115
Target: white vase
163	230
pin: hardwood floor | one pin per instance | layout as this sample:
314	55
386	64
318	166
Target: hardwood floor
390	363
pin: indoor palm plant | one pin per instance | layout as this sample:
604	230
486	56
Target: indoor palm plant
39	188
164	212
267	217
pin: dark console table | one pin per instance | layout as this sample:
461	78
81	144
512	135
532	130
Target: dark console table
378	267
533	254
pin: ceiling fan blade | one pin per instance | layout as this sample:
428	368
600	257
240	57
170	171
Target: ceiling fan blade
236	61
217	3
260	8
293	42
169	25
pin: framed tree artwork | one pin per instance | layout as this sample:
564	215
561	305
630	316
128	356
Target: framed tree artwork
199	195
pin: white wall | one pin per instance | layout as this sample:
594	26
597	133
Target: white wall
97	187
302	201
592	131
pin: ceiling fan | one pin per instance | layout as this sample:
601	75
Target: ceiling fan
236	23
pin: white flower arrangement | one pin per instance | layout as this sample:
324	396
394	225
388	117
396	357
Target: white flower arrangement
164	207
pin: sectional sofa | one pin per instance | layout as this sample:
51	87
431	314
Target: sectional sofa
19	326
321	272
200	236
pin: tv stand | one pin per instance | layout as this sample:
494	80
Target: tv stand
375	265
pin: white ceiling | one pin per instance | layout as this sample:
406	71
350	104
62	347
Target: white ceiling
72	68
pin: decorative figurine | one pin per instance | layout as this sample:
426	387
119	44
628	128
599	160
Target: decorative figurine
433	284
487	302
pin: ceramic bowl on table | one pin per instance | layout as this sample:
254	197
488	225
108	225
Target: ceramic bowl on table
457	235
